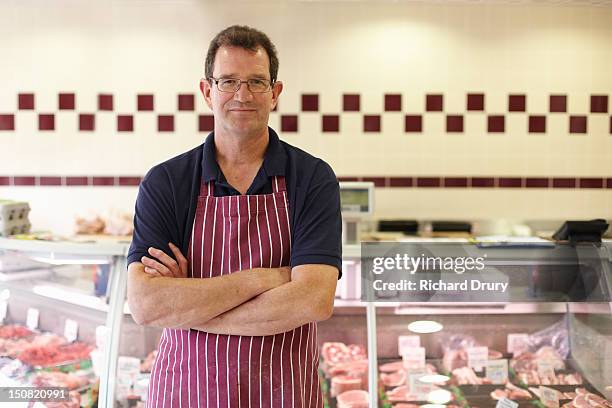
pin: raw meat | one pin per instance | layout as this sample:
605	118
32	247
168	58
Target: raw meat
14	331
58	379
391	367
343	383
353	399
393	379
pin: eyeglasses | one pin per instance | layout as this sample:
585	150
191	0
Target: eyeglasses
233	84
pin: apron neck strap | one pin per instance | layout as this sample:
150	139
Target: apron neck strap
278	186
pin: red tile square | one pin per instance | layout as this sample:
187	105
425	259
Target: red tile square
434	102
378	181
7	121
371	123
517	103
86	122
25	101
351	102
393	102
510	182
103	181
578	124
5	181
50	181
589	182
206	123
454	123
125	123
609	183
66	101
428	182
537	124
564	182
330	123
536	182
144	102
599	103
46	121
105	102
129	181
413	124
77	181
475	102
24	181
482	182
455	182
496	124
186	102
557	103
289	123
165	123
310	102
401	182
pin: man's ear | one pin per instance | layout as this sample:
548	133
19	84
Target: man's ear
277	88
206	89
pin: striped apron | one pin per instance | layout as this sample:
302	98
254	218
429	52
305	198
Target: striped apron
199	369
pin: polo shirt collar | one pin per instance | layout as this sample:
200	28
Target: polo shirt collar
275	158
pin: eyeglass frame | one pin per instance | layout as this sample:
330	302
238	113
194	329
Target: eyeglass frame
216	81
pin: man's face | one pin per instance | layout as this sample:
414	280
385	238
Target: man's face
241	113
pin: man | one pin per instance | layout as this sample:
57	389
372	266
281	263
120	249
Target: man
259	222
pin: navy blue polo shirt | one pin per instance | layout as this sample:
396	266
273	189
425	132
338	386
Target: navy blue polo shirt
167	200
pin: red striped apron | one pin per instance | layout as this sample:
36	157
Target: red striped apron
199	369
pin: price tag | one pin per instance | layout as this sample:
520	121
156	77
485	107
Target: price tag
128	368
546	368
32	318
406	342
418	389
71	330
517	343
3	310
549	397
497	371
414	359
101	337
477	357
506	403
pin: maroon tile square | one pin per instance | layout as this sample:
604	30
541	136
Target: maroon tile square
25	101
393	102
310	102
609	183
475	102
24	181
428	182
206	123
378	181
496	124
537	124
5	181
413	123
77	181
578	124
510	182
289	123
455	182
590	182
103	181
599	103
480	182
517	103
351	102
330	123
46	121
536	182
86	122
564	182
454	123
434	102
125	123
129	181
144	102
557	103
7	122
348	178
401	182
66	101
105	102
50	181
371	123
165	123
186	102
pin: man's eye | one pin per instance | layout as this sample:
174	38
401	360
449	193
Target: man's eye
257	82
229	82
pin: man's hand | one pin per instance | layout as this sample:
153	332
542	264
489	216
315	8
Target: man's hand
163	264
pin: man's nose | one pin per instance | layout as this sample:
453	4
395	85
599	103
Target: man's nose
243	93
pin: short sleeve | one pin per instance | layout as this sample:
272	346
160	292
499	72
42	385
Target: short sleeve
317	228
154	220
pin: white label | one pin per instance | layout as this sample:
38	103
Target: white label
3	310
128	369
406	342
71	330
546	368
414	359
101	337
497	371
32	318
506	403
418	389
517	343
549	397
477	357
